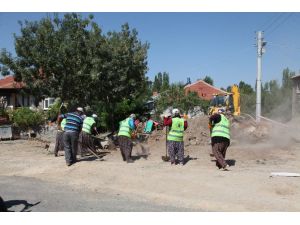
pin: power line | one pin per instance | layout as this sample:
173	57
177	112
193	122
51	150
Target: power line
272	21
279	24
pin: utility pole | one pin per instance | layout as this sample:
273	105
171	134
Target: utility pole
260	52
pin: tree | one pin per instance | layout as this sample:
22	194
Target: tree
161	82
247	97
70	58
286	79
54	56
158	81
208	80
176	97
276	99
165	81
245	88
121	75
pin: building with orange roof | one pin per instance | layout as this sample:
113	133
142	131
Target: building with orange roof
204	90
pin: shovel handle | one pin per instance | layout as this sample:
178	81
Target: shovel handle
167	129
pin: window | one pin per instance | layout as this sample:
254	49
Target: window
48	102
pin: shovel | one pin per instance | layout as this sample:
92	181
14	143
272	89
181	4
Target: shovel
166	158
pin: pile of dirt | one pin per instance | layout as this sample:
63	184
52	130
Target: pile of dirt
197	132
246	131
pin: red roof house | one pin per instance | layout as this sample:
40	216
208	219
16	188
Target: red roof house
10	90
204	90
8	82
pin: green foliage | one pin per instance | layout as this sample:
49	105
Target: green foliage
276	100
248	103
70	58
165	82
3	112
176	97
26	119
56	109
161	82
4	70
245	88
208	80
247	98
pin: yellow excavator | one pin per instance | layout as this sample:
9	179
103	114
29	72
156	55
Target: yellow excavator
230	102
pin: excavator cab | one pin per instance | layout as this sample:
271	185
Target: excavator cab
230	102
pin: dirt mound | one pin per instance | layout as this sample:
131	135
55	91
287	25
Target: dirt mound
243	130
197	133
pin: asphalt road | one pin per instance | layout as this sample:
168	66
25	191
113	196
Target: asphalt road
25	194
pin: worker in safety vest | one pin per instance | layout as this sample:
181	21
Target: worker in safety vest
85	138
126	130
175	137
220	137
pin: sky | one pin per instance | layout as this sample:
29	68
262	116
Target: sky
185	44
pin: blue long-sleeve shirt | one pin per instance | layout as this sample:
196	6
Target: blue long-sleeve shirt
131	124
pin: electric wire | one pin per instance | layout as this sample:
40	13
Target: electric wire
279	24
273	21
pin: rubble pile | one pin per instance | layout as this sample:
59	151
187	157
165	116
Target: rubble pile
243	130
247	131
197	132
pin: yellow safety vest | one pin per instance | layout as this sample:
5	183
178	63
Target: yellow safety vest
87	124
221	129
125	128
177	129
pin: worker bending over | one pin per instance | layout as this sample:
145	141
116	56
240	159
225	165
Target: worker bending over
126	130
85	138
72	129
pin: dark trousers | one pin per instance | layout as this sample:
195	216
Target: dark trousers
176	148
219	151
59	142
70	146
126	146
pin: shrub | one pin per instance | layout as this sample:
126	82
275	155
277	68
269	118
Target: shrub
26	119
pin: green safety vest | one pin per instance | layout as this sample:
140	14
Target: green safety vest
87	124
124	129
177	129
63	123
221	129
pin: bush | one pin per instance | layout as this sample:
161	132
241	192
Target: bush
3	113
26	119
54	110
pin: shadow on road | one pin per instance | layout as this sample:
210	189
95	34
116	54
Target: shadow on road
26	208
230	162
139	156
188	158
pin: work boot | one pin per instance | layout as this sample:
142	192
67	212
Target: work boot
68	163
